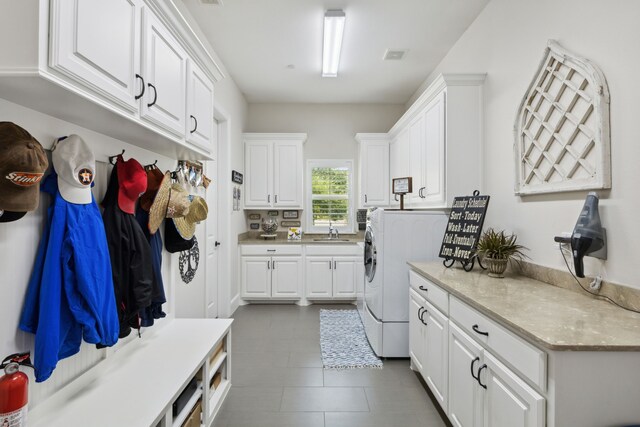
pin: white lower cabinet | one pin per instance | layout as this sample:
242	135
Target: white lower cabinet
271	277
471	384
331	277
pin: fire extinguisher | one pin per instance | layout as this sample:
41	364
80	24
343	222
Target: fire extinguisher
14	391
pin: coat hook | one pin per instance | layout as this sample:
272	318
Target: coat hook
112	158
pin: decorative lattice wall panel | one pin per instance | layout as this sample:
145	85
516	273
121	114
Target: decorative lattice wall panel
562	127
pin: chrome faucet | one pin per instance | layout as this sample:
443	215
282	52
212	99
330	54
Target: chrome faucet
332	231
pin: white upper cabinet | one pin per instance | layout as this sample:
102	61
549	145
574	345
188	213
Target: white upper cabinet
399	159
273	170
199	107
164	68
374	169
444	129
98	43
130	69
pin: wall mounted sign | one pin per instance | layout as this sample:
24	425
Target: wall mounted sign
463	230
254	226
402	185
290	214
236	177
290	223
272	213
254	216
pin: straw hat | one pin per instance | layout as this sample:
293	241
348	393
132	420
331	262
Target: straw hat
198	211
171	201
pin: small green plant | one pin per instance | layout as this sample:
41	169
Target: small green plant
498	245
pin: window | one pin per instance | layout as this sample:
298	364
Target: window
330	195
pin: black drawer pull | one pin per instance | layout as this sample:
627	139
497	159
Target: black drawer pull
195	126
422	288
420	312
138	96
478	331
155	95
422	317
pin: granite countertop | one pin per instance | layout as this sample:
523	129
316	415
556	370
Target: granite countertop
552	317
253	238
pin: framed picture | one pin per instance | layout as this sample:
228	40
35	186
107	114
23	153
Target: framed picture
294	233
254	226
236	177
402	185
290	214
254	216
273	213
290	223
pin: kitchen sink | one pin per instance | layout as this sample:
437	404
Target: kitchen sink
328	240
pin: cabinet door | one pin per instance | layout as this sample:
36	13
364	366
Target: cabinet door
508	401
434	150
164	68
345	275
199	118
416	335
258	174
465	397
416	138
97	43
436	353
374	181
319	277
286	276
287	179
399	157
256	277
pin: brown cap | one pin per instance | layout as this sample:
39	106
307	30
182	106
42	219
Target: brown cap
154	178
23	163
198	211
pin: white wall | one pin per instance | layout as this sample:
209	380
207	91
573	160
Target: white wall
507	42
330	128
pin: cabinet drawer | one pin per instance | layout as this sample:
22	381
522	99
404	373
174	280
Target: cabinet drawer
331	250
433	293
271	249
524	357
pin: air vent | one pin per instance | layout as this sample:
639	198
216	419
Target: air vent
394	54
215	2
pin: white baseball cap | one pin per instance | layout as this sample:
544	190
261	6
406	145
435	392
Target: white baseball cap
75	165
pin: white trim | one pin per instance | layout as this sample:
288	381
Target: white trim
330	163
251	136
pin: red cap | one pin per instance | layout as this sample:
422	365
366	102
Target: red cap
132	182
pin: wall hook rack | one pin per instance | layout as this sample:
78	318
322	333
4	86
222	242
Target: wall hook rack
113	158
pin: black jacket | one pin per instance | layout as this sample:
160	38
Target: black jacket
131	262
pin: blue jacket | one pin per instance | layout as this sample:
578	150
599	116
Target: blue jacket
70	293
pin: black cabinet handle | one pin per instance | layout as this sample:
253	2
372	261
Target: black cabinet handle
422	288
195	124
271	250
275	198
268	265
473	363
273	265
419	312
420	192
155	95
335	265
218	244
478	378
268	198
138	96
478	331
422	317
395	196
365	198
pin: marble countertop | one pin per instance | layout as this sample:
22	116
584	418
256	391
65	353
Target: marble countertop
552	317
281	239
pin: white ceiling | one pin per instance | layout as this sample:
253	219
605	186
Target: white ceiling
258	39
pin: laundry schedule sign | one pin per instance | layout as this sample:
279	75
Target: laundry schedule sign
464	227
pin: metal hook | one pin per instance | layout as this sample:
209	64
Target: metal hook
112	158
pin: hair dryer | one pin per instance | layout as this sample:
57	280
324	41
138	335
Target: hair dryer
589	237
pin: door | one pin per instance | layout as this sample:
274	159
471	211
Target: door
213	245
287	179
199	118
319	277
416	163
258	174
465	398
345	275
416	326
97	43
164	68
374	183
286	276
256	277
436	353
434	150
509	401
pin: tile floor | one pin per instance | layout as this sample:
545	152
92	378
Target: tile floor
278	379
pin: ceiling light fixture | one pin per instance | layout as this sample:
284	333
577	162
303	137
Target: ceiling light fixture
332	44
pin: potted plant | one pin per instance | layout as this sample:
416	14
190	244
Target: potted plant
496	248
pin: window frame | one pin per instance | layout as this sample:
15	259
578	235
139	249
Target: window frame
330	163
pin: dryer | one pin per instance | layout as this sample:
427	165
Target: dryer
392	238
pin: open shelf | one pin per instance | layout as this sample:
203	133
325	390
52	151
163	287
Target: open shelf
215	401
216	363
182	416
